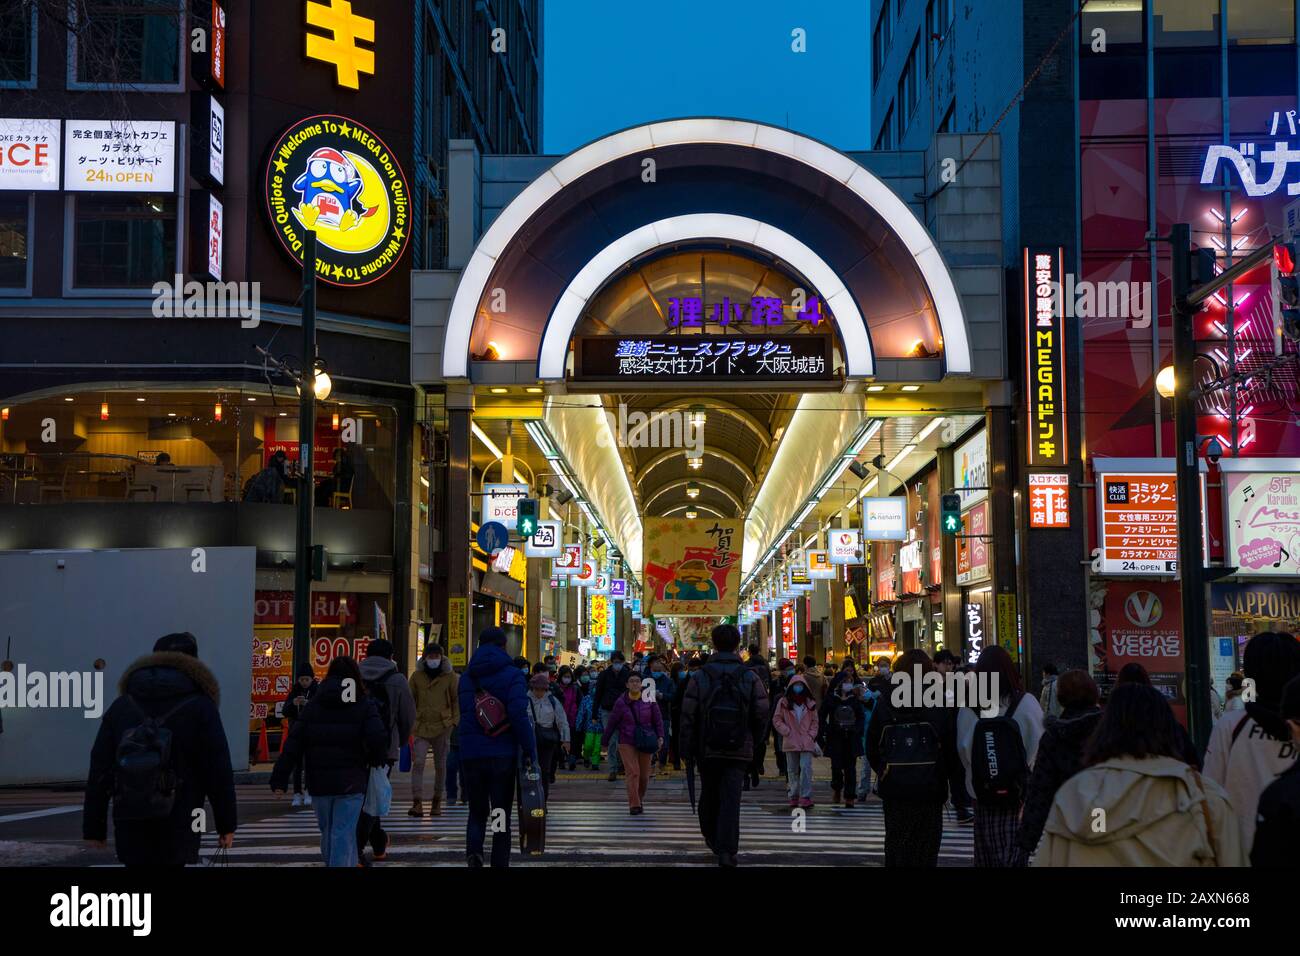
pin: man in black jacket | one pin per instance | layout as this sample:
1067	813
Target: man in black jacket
170	682
710	713
610	686
392	695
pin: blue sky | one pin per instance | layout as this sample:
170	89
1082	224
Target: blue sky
615	63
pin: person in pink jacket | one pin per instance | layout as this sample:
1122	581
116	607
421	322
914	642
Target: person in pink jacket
797	721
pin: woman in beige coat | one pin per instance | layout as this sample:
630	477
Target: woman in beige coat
1135	803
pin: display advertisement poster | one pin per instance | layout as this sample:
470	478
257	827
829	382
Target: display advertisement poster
458	631
569	562
1262	510
819	566
501	503
885	519
973	552
119	156
970	463
692	567
844	545
1140	622
29	154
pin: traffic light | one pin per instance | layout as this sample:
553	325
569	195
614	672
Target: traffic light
1286	293
950	517
526	522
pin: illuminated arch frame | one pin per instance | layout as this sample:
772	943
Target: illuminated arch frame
830	162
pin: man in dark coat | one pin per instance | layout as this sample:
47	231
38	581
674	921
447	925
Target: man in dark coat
171	681
304	686
610	686
490	765
757	663
722	770
393	697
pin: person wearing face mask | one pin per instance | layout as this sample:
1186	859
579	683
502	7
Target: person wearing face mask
609	688
588	724
677	676
437	712
664	698
639	726
784	673
796	719
843	724
550	725
569	693
524	667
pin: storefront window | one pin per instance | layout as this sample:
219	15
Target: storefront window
14	222
129	41
17	62
1261	47
1186	38
124	242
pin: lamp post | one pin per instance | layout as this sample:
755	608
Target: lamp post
306	440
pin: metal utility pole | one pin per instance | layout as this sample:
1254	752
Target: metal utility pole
1191	558
302	575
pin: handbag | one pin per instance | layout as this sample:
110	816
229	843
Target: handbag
379	793
550	734
645	739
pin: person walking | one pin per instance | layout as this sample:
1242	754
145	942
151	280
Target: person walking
304	686
396	707
784	672
1277	823
588	725
173	688
677	677
664	692
1248	751
550	726
869	699
843	725
724	715
495	730
796	721
913	751
437	712
1047	697
1135	673
1232	701
1060	752
341	736
639	727
1008	745
946	662
757	663
1159	810
816	681
610	686
570	693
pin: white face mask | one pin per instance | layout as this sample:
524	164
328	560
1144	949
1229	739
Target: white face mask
566	680
433	663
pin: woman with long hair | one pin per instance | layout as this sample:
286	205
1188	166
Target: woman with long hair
997	772
1137	802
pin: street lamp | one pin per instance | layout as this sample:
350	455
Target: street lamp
1165	382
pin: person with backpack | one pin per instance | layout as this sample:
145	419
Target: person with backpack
340	735
757	663
396	706
816	680
1277	822
724	715
550	726
496	732
1047	697
913	751
610	686
796	721
160	752
639	726
997	769
437	712
664	692
1158	810
843	723
304	686
869	699
1060	752
946	662
1248	751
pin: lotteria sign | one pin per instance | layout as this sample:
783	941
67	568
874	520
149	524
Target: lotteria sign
332	175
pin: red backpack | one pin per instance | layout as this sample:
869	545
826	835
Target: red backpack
491	713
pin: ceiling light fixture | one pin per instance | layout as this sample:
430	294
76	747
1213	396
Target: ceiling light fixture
692	490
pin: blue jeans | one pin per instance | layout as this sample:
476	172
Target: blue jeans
800	767
615	764
337	818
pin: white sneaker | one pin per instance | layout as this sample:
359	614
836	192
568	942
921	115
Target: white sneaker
306	799
297	799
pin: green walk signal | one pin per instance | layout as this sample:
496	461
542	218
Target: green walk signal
950	507
526	521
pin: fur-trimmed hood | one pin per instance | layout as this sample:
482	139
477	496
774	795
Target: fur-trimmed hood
166	674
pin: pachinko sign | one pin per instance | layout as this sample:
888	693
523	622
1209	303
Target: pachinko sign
1262	513
692	567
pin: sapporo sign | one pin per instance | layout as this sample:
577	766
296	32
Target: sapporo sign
331	174
1045	358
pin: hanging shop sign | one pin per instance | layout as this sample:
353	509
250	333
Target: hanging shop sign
798	578
970	465
1045	358
29	154
1049	499
602	583
1141	622
1262	514
974	626
207	232
692	567
1138	514
844	545
208	67
972	551
618	589
885	519
331	174
819	566
119	156
208	139
587	575
545	542
501	503
706	357
569	561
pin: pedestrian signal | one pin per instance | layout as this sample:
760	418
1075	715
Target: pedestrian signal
526	524
950	518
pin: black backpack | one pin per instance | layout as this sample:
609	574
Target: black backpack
911	753
844	715
999	766
726	710
144	776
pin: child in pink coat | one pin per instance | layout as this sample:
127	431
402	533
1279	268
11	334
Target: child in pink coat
797	721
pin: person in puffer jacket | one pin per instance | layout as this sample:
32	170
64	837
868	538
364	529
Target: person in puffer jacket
797	720
1136	803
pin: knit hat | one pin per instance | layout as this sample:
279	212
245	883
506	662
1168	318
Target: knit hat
539	682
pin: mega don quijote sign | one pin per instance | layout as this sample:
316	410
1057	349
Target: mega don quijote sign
333	175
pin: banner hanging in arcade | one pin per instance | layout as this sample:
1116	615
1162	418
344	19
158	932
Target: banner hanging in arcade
1045	358
692	567
332	175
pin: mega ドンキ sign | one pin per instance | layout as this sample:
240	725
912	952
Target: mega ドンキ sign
331	174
